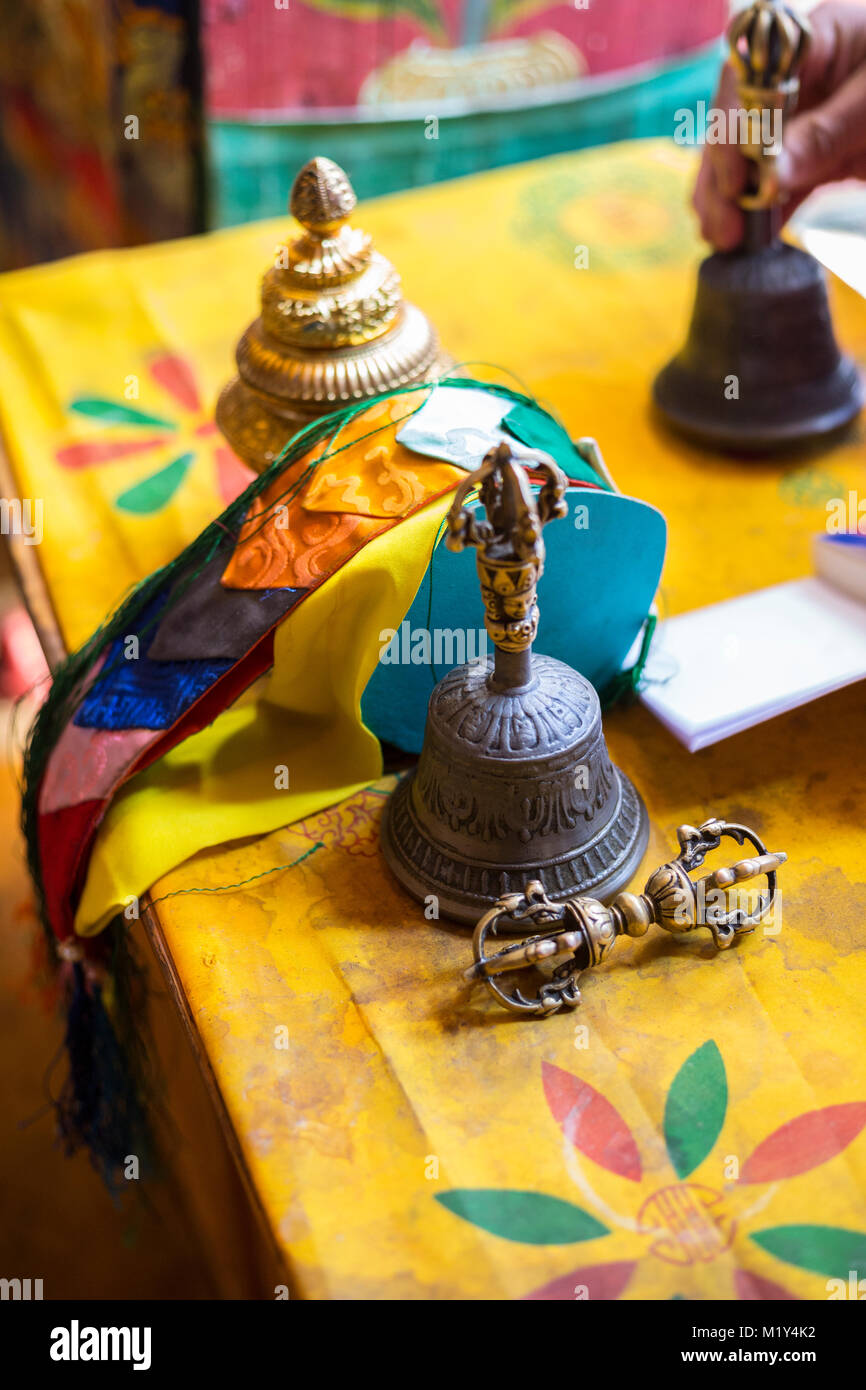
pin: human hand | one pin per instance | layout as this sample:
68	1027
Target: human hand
825	140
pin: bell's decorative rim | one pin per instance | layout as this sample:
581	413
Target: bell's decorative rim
464	888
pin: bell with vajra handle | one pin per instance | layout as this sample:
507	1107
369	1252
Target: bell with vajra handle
761	369
514	782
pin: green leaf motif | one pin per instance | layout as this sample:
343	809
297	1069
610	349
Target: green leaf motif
115	413
828	1250
533	1218
695	1109
156	491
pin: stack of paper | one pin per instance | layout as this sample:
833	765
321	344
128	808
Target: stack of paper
721	669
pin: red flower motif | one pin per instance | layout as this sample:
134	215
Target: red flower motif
175	377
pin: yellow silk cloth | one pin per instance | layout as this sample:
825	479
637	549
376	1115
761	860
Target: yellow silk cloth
294	742
93	327
291	745
387	1087
366	1081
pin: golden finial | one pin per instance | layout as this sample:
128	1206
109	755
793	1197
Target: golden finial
322	196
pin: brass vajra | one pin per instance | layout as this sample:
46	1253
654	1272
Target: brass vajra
768	43
580	933
509	544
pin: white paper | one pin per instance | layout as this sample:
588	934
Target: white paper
842	252
718	670
830	225
459	424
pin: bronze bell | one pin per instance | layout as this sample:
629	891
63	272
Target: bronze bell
514	781
761	317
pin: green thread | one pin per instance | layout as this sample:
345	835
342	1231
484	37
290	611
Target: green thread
526	396
70	677
229	887
625	685
343	418
471	496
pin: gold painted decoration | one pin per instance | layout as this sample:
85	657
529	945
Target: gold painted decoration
334	327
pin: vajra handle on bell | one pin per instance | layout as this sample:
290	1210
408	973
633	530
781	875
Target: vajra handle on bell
579	933
768	42
509	551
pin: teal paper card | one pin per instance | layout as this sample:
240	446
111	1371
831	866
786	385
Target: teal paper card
604	562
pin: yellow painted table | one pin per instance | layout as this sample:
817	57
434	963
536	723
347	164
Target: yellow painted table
402	1137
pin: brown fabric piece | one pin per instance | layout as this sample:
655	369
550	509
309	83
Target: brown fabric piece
212	622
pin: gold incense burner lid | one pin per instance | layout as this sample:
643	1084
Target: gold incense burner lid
333	329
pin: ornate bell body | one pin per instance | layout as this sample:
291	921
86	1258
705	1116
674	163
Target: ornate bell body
761	369
514	780
334	327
